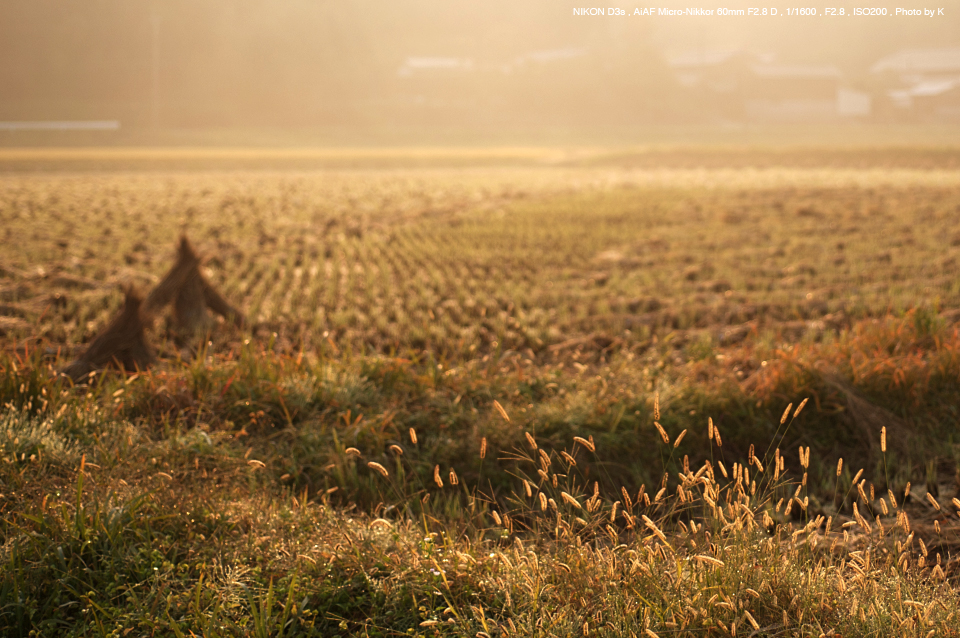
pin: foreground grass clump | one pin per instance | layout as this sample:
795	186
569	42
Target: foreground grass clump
317	421
266	494
100	555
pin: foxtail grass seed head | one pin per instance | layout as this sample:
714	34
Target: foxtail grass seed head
883	439
496	517
373	465
857	476
352	451
543	501
663	433
656	406
893	499
502	412
531	440
800	408
906	490
956	503
569	499
933	501
396	449
679	438
436	476
613	511
413	436
786	413
527	489
483	447
839	466
585	443
710	428
710	560
723	470
653	528
545	460
572	462
716	436
453	477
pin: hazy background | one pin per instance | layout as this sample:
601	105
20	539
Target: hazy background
370	71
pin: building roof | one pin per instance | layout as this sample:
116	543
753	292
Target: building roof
702	58
705	58
930	88
553	55
434	64
946	60
795	71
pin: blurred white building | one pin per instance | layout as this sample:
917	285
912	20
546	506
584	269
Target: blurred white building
752	86
922	84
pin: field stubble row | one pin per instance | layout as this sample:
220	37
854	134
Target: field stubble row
463	261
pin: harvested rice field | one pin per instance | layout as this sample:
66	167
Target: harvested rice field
451	261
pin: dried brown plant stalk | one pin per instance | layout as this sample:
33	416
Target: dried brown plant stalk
192	296
122	343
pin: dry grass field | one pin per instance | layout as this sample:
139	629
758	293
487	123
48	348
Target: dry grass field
472	394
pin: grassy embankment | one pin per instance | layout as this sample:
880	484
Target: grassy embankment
273	484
